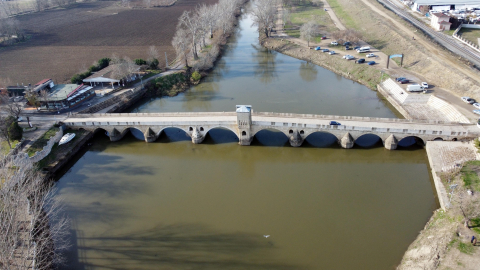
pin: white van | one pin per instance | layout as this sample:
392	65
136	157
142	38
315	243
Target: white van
363	49
415	88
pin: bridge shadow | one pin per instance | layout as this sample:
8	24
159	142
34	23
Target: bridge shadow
177	246
220	136
321	140
270	137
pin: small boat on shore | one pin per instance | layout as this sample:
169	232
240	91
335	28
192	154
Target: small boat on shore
66	138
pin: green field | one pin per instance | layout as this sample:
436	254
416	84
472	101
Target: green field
304	11
470	34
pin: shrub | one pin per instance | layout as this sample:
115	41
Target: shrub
15	131
196	76
78	78
154	64
140	62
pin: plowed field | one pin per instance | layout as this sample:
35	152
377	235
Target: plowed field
67	41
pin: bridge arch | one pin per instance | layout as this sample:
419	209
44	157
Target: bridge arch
321	138
221	134
173	133
137	133
224	127
408	141
368	140
99	131
271	137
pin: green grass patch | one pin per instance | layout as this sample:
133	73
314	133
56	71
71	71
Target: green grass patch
470	176
470	34
475	224
449	32
342	14
293	33
5	148
42	141
465	248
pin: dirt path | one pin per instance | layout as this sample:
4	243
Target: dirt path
333	16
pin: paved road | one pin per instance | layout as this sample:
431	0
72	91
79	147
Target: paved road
446	41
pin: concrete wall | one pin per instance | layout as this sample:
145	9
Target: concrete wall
47	148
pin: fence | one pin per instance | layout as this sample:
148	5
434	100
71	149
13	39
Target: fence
468	42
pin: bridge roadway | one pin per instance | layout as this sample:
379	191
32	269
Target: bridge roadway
245	124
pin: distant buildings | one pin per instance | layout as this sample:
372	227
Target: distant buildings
444	5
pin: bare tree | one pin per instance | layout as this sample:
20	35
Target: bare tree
308	31
44	96
13	108
33	231
152	54
189	22
347	35
208	15
285	16
264	15
181	44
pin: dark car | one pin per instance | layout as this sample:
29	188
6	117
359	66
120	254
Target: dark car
400	78
356	47
347	48
404	81
347	43
325	50
324	37
371	63
334	123
361	60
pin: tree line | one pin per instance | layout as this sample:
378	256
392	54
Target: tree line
205	26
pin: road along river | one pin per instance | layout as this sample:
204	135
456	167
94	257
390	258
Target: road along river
172	204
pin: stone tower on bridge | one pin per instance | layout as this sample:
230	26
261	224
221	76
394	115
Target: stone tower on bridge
244	122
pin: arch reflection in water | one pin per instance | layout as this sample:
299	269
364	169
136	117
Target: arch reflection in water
270	137
321	139
138	134
368	140
173	135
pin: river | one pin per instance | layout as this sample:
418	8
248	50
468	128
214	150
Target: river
172	204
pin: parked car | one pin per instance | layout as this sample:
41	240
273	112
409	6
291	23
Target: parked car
348	57
370	55
347	43
425	85
347	48
334	123
356	47
325	50
404	81
324	37
361	60
476	112
476	105
400	79
317	48
334	43
331	52
468	100
371	63
19	119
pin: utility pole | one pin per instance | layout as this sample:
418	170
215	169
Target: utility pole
166	60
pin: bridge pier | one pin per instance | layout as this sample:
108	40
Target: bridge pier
197	137
115	135
347	141
295	139
150	136
391	143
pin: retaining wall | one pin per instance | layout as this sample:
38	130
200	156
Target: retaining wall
47	148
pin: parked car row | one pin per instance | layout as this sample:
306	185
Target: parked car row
473	102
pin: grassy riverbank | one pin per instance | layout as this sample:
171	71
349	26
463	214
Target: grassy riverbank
445	242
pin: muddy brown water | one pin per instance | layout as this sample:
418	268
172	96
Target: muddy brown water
175	205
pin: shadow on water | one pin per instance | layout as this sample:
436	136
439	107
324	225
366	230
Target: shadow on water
265	63
321	140
178	246
220	136
270	137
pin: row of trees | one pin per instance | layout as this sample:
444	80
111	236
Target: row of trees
11	8
204	22
33	230
265	15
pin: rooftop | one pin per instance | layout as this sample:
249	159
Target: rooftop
61	91
42	82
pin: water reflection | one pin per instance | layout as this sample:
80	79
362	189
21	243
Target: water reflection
308	71
265	61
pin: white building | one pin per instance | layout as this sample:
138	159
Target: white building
445	5
440	22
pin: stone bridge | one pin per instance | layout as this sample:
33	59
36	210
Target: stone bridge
245	124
